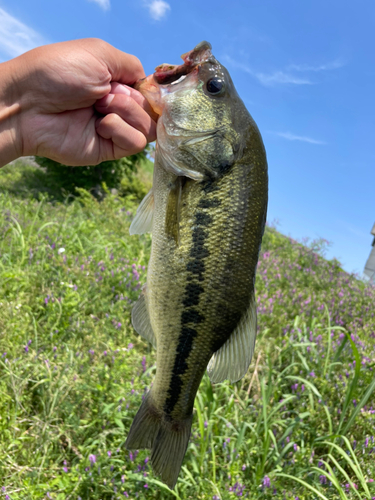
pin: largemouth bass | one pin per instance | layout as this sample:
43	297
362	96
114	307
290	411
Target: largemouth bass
207	212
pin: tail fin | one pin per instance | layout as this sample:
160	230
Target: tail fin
145	426
167	440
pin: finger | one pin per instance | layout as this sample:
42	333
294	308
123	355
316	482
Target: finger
124	68
131	112
126	139
119	88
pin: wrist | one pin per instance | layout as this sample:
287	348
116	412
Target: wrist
10	114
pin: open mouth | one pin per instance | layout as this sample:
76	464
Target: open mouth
171	73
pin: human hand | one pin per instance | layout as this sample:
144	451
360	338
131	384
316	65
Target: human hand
54	102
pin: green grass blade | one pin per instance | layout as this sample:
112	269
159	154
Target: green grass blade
331	477
329	342
354	383
351	461
344	473
359	406
301	481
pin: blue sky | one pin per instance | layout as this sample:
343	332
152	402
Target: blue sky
305	70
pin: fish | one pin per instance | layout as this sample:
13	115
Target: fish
206	212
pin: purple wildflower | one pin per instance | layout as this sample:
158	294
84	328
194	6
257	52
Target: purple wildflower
266	482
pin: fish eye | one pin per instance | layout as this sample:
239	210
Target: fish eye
215	86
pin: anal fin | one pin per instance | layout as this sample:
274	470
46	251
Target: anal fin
141	319
232	360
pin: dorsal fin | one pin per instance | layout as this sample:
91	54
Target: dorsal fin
232	360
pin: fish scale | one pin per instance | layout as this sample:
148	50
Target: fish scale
208	203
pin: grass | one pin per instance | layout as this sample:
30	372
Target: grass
300	425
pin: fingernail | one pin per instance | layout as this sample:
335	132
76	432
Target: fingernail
105	101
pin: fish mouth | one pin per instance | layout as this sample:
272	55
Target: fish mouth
170	74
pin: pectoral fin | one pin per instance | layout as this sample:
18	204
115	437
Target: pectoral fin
142	222
141	319
172	217
232	360
214	152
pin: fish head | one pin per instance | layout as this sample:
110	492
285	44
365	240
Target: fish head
202	121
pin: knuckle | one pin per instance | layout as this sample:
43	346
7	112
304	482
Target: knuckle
124	101
110	120
106	125
98	42
134	60
135	63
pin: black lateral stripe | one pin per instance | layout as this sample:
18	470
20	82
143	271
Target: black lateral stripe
185	344
205	203
196	267
198	250
203	219
192	293
190	315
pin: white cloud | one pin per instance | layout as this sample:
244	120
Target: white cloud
338	63
15	37
158	9
277	77
293	137
281	77
104	4
238	65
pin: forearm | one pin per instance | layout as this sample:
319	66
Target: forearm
10	110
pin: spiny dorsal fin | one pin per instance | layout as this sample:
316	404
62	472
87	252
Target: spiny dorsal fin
141	319
232	360
142	222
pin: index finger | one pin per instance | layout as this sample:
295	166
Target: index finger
118	88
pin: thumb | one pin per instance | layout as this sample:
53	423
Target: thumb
124	68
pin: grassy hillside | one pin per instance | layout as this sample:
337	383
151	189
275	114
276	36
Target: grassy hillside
300	425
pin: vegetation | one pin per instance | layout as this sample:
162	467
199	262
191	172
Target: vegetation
127	177
300	425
